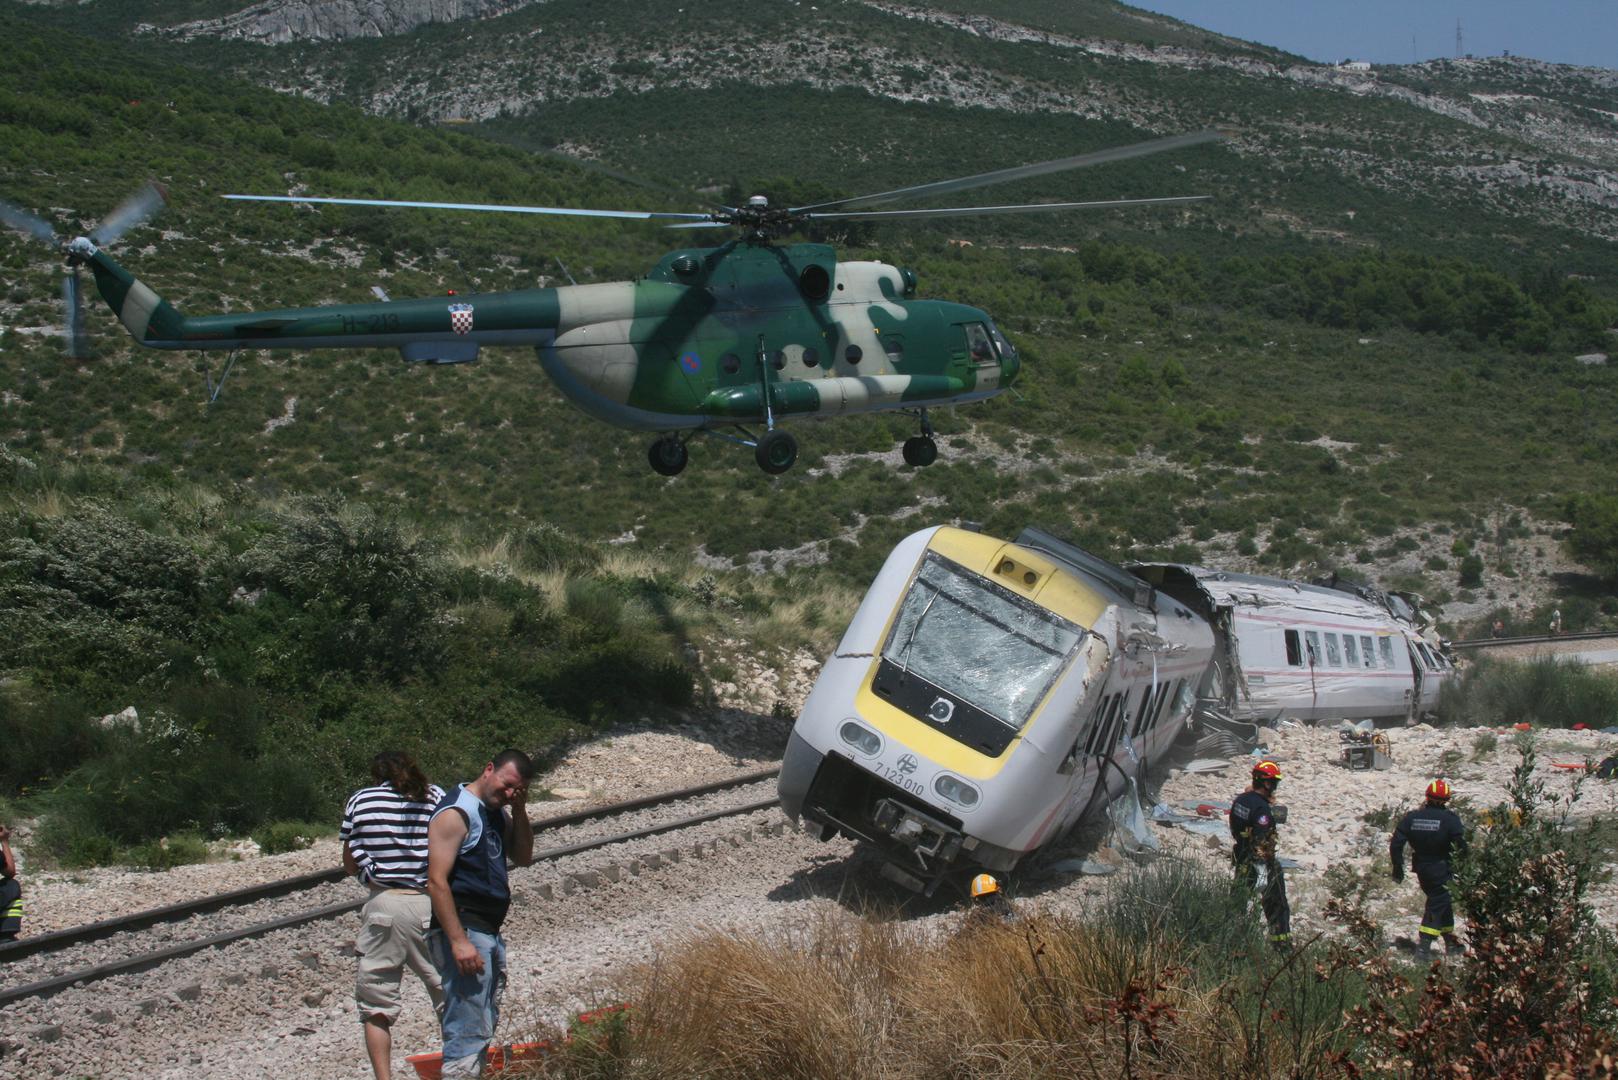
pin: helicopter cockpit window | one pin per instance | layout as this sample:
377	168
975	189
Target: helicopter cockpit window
1000	342
977	343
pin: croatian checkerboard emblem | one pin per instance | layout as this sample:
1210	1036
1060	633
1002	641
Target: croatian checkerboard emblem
460	318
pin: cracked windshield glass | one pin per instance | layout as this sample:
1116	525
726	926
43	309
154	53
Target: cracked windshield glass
988	647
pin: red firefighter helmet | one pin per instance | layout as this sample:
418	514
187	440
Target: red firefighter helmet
1267	772
1439	790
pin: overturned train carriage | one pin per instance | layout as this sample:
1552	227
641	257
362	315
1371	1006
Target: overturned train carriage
1320	652
985	697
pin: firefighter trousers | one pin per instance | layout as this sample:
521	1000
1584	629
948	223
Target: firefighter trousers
1438	918
1272	895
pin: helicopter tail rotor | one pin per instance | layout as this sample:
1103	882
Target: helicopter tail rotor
133	211
73	316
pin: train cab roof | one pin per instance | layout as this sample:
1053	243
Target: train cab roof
1028	571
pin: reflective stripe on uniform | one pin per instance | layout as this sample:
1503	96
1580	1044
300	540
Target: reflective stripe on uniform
1436	932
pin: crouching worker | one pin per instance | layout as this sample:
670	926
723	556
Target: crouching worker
384	837
1434	833
1252	826
473	832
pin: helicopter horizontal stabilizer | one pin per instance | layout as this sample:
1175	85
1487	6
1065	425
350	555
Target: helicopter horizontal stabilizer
439	352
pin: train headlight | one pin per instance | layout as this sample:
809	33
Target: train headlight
861	738
956	790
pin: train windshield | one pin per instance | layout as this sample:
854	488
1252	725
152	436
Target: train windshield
981	643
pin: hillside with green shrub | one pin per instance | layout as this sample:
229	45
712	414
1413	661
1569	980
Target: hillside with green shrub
344	550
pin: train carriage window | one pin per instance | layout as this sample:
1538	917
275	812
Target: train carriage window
1367	651
1294	649
1184	697
1385	647
1142	713
1334	656
1351	652
1157	706
1103	720
1312	637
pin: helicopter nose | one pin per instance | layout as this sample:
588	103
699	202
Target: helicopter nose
1010	368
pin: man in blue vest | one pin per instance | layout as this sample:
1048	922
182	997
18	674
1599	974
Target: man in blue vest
474	831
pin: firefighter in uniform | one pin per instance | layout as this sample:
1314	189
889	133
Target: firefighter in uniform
1252	826
1434	833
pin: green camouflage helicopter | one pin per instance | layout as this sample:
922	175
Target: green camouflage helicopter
720	341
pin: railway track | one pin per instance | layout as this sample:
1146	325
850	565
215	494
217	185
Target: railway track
217	920
1478	644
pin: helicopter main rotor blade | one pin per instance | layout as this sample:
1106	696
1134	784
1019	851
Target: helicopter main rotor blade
1020	172
1019	208
15	217
130	213
636	215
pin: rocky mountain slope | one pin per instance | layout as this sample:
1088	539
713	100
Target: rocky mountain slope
1511	137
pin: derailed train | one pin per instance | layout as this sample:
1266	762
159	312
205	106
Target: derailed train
987	695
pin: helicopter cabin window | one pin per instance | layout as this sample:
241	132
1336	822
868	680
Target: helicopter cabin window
1313	639
811	358
778	359
1385	647
1334	655
853	354
1294	649
731	363
1351	651
977	343
894	346
1367	651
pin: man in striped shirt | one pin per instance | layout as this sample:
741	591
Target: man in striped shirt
384	837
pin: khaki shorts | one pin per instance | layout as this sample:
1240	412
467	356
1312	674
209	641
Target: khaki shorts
393	936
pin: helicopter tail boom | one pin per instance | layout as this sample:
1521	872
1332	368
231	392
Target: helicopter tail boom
438	330
147	316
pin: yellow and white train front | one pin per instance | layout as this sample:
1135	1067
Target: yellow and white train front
945	726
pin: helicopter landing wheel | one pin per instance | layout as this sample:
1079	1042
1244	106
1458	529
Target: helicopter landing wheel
668	456
776	452
920	451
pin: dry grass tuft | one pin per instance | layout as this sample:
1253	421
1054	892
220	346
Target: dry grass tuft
1041	996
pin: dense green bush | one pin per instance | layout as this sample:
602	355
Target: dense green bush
361	590
1545	691
95	596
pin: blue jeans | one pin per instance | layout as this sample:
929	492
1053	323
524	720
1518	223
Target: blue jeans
471	1002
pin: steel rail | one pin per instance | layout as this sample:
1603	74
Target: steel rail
1489	643
285	886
